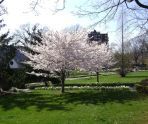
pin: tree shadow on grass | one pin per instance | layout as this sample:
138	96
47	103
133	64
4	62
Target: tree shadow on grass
101	97
59	101
23	101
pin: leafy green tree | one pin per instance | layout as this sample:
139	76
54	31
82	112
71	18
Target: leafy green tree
6	53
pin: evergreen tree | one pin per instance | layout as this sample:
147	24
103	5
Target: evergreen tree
6	53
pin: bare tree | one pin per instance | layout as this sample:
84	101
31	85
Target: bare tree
139	49
113	4
108	10
54	5
135	49
103	11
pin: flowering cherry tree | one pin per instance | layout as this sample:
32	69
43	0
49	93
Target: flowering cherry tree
96	57
62	51
59	51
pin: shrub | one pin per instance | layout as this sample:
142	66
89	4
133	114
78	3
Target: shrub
12	78
144	82
18	78
55	80
142	87
5	79
102	84
122	73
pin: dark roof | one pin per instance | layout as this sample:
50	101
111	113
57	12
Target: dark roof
19	56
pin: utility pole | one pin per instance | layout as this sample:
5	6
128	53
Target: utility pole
122	54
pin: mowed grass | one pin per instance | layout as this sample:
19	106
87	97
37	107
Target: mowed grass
75	107
111	78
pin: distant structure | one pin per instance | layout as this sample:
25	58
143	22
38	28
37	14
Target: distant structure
98	37
16	62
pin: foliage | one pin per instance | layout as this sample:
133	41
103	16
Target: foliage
5	82
13	78
6	54
55	80
10	77
29	34
6	51
5	38
142	86
19	78
127	60
122	73
64	51
101	84
142	89
144	82
135	53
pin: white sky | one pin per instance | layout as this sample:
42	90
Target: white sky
19	13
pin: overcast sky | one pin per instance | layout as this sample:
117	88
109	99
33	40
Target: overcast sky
19	13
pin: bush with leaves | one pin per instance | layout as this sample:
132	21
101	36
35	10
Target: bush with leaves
142	87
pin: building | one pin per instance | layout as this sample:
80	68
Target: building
95	36
16	61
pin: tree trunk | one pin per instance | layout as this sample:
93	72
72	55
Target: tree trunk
97	73
62	80
122	72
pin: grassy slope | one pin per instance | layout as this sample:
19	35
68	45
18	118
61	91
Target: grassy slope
104	78
74	107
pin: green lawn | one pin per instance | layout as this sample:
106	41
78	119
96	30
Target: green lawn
74	107
111	78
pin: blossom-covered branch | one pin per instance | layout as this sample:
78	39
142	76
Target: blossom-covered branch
62	51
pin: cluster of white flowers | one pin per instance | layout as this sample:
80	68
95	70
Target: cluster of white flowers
62	51
68	50
85	87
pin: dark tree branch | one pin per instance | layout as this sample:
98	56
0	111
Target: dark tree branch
35	4
1	1
141	5
102	18
98	12
104	10
128	6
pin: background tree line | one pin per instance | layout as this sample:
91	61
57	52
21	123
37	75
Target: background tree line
135	53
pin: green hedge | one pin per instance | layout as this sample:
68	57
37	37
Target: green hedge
102	84
142	87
